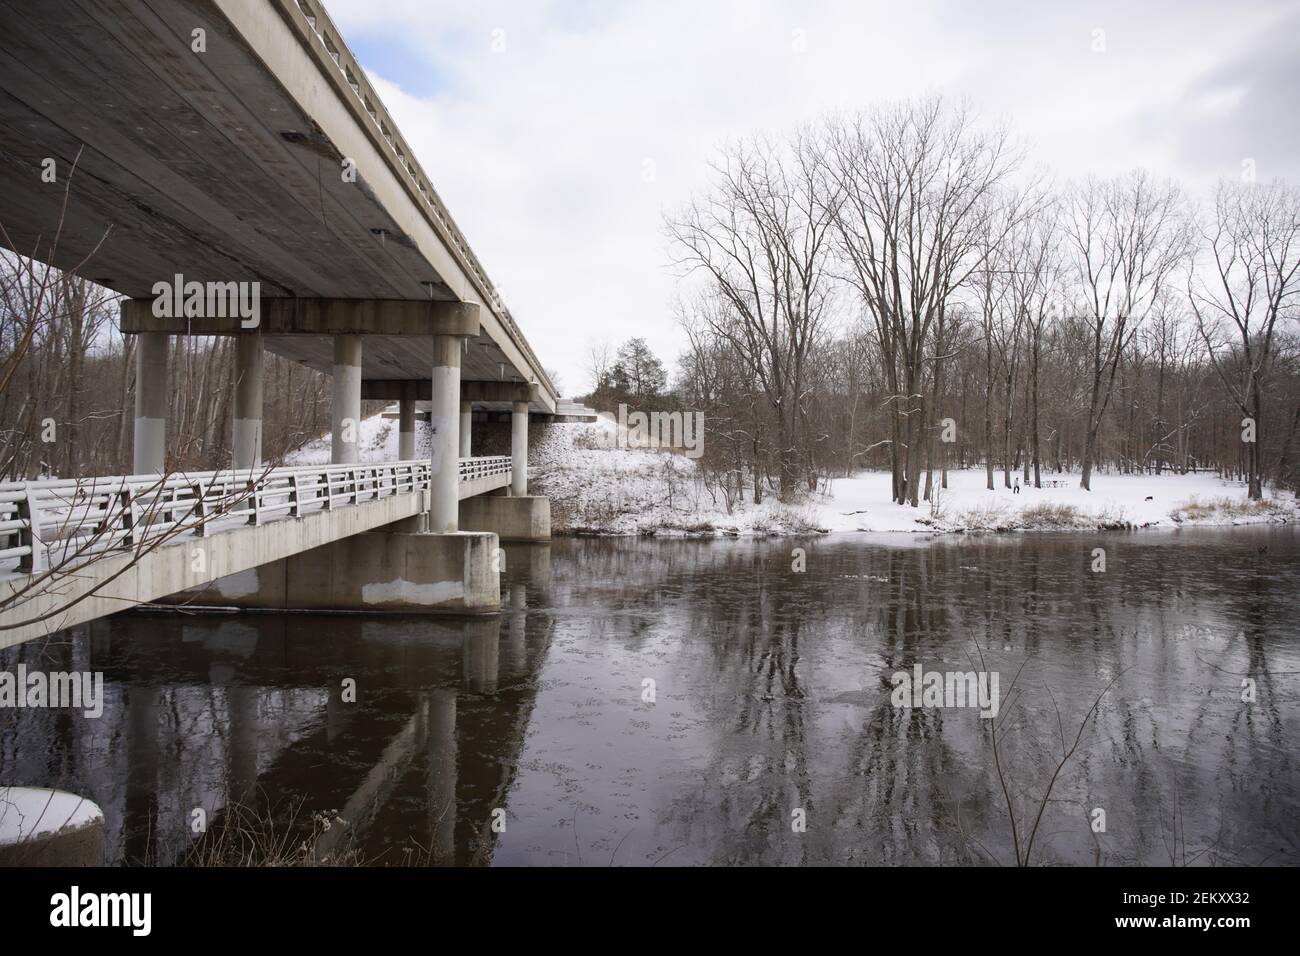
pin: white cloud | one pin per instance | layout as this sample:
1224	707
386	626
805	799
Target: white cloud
539	150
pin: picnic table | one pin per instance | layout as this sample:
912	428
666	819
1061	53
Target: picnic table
1056	483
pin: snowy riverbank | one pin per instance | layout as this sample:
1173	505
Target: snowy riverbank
596	488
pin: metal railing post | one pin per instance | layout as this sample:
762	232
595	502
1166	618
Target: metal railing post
200	509
29	510
255	516
130	516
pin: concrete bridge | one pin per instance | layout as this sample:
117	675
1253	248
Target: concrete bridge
278	539
236	175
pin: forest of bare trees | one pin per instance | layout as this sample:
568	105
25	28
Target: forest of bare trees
67	405
900	290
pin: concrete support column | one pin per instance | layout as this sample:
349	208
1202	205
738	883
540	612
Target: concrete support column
150	402
347	399
466	420
248	400
444	419
519	449
406	429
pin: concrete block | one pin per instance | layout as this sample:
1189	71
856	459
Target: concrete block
523	518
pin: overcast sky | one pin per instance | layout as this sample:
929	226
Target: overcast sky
558	133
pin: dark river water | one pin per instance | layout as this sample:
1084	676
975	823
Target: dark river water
643	702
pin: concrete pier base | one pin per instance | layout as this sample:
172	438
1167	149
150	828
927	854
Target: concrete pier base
512	518
377	571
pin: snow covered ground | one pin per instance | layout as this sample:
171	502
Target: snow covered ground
378	442
862	503
596	487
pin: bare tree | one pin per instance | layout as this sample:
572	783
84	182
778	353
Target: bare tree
1127	235
761	236
1254	242
600	360
916	189
1036	281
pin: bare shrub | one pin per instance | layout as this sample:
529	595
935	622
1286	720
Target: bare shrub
1051	515
987	516
1194	509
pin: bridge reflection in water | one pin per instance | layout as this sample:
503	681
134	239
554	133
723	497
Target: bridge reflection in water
201	710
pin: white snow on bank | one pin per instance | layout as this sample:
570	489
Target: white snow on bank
862	503
378	440
599	488
596	487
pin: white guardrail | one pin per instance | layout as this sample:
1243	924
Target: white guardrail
56	521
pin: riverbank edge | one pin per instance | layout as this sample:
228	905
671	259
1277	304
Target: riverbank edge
715	533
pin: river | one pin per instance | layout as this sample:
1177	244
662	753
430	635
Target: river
674	702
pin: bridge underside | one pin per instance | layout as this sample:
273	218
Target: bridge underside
181	144
255	159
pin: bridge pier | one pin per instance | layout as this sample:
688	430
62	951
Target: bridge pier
406	425
466	427
149	447
346	399
248	401
519	449
444	418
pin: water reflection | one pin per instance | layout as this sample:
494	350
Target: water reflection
201	710
671	702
